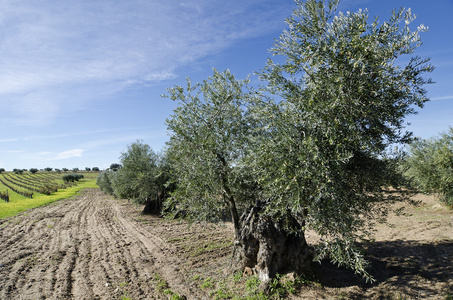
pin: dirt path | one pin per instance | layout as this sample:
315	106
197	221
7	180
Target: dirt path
86	248
95	247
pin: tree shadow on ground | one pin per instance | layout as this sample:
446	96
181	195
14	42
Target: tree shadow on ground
402	264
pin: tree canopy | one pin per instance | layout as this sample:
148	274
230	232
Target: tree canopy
430	165
208	145
142	176
343	93
310	145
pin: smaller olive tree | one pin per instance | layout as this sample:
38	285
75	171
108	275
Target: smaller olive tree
142	177
430	165
18	171
104	181
2	170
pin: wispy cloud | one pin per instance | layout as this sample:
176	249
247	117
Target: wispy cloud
50	156
52	46
442	98
72	134
69	154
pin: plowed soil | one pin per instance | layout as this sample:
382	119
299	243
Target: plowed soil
92	247
95	247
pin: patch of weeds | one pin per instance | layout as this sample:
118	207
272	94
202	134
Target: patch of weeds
449	296
173	295
252	289
221	292
49	225
237	276
207	283
161	283
125	296
162	287
281	288
210	247
179	239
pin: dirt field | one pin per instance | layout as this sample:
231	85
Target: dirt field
95	247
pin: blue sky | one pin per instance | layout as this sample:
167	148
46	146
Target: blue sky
80	80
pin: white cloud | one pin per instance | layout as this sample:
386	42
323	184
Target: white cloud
69	154
50	156
54	46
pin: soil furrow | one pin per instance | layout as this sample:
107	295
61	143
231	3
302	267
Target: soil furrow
74	249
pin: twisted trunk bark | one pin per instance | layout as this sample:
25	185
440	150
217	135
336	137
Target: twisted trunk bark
270	246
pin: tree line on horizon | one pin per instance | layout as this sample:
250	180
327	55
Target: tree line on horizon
48	169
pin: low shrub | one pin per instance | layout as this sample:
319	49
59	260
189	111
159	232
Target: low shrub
72	177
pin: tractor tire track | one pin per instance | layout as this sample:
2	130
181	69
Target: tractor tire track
85	248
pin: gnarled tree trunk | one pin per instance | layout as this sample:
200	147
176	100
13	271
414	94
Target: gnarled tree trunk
152	206
270	246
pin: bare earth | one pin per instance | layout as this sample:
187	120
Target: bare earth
95	247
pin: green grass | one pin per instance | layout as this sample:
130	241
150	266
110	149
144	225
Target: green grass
19	204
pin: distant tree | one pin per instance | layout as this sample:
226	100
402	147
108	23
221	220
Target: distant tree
18	171
87	169
75	170
48	169
430	165
115	167
95	169
58	170
2	170
65	169
72	177
33	170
